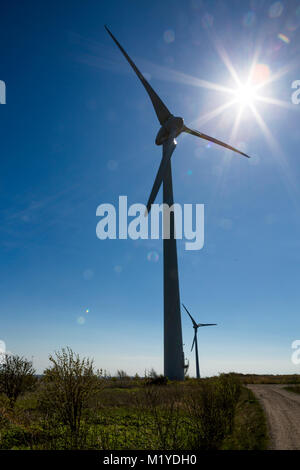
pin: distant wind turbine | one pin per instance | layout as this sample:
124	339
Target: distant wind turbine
195	342
171	127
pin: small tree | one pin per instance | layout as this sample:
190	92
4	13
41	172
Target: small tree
68	386
152	374
16	376
121	374
154	379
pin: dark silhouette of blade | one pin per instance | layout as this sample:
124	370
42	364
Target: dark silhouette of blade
194	323
207	324
168	149
161	110
211	139
194	340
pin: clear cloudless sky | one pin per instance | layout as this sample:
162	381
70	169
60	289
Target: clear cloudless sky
78	130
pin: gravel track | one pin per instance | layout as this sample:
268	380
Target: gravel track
282	409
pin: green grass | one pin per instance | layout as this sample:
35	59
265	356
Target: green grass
294	389
269	379
250	428
215	413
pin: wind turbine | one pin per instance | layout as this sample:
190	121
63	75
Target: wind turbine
195	342
171	127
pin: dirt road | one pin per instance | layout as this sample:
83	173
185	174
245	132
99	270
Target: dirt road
283	415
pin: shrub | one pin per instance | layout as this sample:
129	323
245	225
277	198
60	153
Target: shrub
121	374
67	387
158	380
163	405
211	409
16	376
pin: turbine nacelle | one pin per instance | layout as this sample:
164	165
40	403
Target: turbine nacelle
172	127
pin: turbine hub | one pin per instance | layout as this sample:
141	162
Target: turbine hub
173	126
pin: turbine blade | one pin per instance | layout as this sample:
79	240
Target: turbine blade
193	341
160	108
194	323
168	149
215	141
207	324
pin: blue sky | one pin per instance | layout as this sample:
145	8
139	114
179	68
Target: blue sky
78	130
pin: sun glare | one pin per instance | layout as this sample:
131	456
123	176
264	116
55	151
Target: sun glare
245	95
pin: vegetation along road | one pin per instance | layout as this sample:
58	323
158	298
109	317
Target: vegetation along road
282	408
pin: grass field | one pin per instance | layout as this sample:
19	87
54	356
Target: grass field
250	427
73	406
295	389
269	379
215	413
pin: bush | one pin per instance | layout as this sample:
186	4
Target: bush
211	409
16	376
66	389
152	378
13	437
162	405
158	380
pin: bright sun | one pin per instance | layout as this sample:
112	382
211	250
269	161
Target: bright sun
245	95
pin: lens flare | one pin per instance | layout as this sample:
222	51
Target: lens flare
152	257
88	274
112	165
275	10
169	36
260	73
245	95
284	38
249	19
207	21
